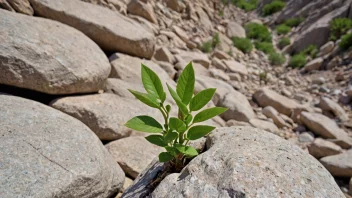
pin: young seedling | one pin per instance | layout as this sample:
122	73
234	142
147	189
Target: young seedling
176	132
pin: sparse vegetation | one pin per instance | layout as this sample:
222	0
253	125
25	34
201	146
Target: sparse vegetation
246	5
298	61
346	42
276	58
243	44
294	22
285	41
258	32
339	27
208	46
273	7
283	29
311	51
265	47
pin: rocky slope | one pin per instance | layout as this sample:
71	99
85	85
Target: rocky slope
79	57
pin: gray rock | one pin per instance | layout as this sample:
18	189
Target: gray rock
133	154
314	64
195	57
142	9
322	148
339	165
305	137
21	6
5	5
163	54
105	114
110	30
59	60
236	67
265	125
238	107
235	30
325	127
270	112
46	153
329	105
243	162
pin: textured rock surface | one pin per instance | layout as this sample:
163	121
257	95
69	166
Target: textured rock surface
110	30
243	162
325	127
53	61
21	6
238	107
339	165
235	30
322	148
327	104
265	125
45	153
140	8
266	97
133	154
105	114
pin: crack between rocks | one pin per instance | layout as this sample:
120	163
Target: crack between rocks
52	161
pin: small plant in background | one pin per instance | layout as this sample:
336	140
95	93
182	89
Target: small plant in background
243	44
216	40
339	27
258	32
285	41
176	132
208	46
246	5
298	61
311	51
273	7
283	29
294	22
276	58
263	76
265	47
346	42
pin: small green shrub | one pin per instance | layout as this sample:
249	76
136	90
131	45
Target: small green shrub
339	27
265	47
285	41
243	44
283	29
258	32
273	7
221	13
298	61
216	40
207	46
176	132
311	51
294	22
246	5
346	42
276	58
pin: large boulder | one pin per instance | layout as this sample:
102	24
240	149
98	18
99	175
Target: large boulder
238	107
133	154
266	97
325	127
110	30
235	30
339	165
49	57
249	162
46	153
105	114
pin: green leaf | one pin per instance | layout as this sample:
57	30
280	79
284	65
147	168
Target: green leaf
170	136
187	150
144	124
145	98
201	99
188	119
178	101
152	83
185	84
165	157
199	131
157	140
173	151
168	108
208	113
177	124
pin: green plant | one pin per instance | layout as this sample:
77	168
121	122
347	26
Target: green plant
311	51
216	40
285	41
276	58
265	47
346	42
208	46
258	32
298	61
294	22
339	27
176	132
273	7
283	29
246	5
243	44
221	13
